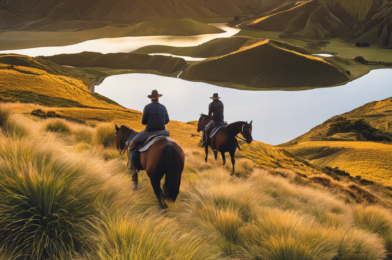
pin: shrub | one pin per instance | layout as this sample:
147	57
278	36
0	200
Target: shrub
58	126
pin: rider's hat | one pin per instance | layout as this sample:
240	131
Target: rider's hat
154	94
215	96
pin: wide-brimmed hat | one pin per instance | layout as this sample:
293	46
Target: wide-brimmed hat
215	96
154	94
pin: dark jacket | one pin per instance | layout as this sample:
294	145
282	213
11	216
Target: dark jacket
155	116
215	111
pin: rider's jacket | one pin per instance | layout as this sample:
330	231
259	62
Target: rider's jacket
215	111
155	116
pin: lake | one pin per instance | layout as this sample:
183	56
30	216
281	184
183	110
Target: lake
278	116
127	44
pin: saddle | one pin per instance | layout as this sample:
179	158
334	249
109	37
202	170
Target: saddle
152	138
217	128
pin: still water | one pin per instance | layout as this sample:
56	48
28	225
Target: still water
127	44
278	116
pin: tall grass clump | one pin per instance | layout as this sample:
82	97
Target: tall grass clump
105	134
83	135
45	209
58	126
11	125
150	236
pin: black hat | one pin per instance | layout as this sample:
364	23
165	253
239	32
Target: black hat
215	96
154	95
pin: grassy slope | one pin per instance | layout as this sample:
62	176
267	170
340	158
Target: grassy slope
217	47
267	64
161	64
367	159
166	26
264	214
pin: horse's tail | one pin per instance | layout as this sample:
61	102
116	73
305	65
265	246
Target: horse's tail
171	163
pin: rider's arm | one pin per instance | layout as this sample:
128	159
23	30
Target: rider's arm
145	117
210	110
167	120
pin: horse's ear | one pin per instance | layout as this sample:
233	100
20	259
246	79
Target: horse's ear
251	122
117	128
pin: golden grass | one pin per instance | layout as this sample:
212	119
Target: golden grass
87	194
367	159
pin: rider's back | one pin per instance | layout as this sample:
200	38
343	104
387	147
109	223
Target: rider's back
155	116
216	111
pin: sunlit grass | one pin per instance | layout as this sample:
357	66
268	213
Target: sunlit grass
69	197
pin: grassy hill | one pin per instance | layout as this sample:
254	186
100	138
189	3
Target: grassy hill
162	64
166	26
93	213
216	47
267	64
41	14
355	21
351	142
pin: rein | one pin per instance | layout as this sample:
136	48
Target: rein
242	132
122	152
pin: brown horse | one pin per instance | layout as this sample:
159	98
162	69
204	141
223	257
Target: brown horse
225	139
164	157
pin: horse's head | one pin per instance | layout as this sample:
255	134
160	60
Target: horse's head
203	121
119	139
247	132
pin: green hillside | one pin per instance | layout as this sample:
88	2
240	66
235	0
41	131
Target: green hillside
216	47
267	64
162	64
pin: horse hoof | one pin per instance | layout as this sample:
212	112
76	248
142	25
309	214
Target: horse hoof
163	205
205	159
232	174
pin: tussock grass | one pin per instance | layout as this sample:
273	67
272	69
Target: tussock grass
105	134
10	124
58	126
78	198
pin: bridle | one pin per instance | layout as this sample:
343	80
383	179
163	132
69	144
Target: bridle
242	132
202	122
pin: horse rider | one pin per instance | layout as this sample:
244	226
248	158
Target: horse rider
155	118
215	112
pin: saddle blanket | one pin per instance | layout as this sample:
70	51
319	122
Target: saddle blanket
215	130
151	141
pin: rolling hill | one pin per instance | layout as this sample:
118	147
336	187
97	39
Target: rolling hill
216	47
358	142
267	64
36	14
162	64
360	21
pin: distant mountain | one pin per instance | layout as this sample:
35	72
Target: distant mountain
34	14
367	21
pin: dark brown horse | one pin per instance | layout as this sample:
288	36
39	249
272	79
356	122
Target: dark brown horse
225	139
164	157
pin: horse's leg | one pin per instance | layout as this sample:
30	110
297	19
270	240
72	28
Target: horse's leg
232	155
223	158
206	149
156	185
216	155
135	179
